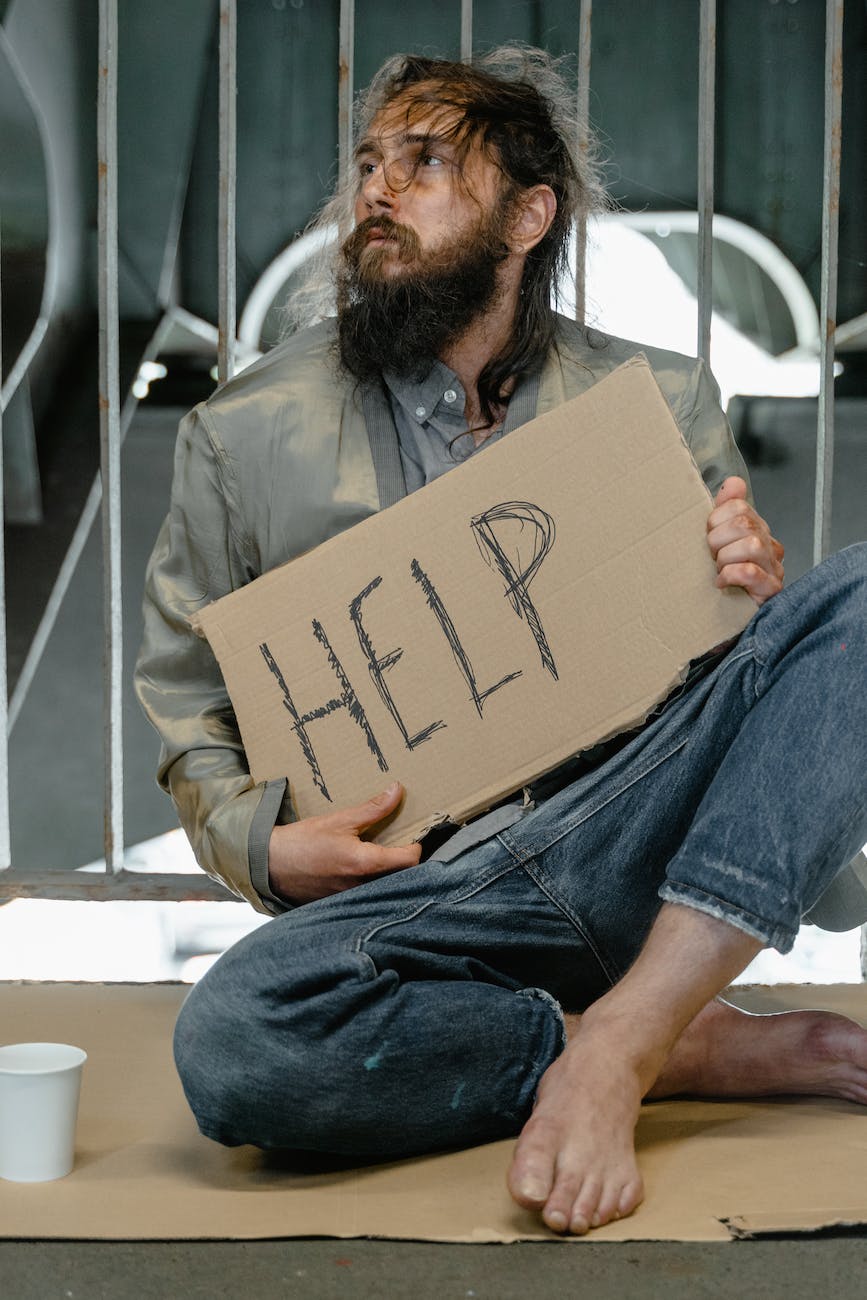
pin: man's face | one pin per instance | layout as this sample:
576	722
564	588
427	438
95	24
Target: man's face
418	199
423	263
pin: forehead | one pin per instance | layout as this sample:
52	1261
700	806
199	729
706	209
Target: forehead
416	114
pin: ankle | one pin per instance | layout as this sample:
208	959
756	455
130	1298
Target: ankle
624	1039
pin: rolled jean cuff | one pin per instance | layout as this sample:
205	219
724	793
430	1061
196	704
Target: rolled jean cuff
772	936
553	1043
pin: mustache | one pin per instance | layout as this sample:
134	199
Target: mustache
407	241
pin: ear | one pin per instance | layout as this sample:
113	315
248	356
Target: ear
536	210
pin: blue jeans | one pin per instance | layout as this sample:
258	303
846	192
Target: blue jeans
419	1011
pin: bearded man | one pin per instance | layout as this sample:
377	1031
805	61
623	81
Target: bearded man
559	958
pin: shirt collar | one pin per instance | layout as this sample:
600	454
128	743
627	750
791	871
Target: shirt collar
420	399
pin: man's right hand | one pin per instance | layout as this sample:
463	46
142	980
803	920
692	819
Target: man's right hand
317	856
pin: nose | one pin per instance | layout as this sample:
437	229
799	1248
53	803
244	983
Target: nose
377	193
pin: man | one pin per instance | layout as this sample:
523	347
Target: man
559	959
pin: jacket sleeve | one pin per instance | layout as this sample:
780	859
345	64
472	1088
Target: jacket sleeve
201	554
706	430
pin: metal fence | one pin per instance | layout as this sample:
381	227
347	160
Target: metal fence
116	882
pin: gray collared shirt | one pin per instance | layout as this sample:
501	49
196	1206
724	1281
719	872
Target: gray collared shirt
431	428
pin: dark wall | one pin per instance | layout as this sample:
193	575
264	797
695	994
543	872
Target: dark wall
164	51
287	134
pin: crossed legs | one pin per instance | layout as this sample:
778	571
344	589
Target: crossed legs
381	1022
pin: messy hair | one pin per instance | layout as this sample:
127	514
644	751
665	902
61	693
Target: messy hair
516	104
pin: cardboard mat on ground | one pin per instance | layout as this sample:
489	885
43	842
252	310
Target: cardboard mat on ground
713	1170
535	600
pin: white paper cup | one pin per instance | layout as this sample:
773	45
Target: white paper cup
39	1088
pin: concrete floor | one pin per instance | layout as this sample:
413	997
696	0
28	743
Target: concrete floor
347	1270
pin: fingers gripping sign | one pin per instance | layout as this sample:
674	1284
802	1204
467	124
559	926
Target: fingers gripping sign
317	856
746	553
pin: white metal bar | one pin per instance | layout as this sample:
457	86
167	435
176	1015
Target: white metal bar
109	431
584	46
5	836
706	127
345	88
65	573
466	30
828	293
226	250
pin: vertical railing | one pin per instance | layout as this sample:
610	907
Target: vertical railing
5	832
706	128
109	432
466	30
345	88
828	291
226	254
585	32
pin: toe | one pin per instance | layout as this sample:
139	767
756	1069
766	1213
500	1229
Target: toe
529	1187
615	1201
631	1196
585	1207
531	1175
560	1205
557	1213
556	1219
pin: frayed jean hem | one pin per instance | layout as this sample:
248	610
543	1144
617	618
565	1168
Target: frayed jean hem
674	891
554	1045
544	996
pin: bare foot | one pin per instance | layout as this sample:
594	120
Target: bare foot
726	1052
575	1159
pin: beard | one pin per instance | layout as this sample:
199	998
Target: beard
402	322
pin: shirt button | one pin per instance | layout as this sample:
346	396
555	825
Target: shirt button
450	395
420	412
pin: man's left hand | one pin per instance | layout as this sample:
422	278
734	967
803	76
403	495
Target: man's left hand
740	541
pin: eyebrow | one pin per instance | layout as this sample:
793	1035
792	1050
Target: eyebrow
370	145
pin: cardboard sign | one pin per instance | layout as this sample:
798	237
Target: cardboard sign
535	600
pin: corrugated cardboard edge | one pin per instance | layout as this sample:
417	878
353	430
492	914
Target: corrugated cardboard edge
494	792
763	1223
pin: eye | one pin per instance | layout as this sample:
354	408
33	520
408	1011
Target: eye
366	167
431	160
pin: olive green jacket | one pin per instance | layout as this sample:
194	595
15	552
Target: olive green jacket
277	461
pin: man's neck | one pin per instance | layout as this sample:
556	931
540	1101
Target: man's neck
469	355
